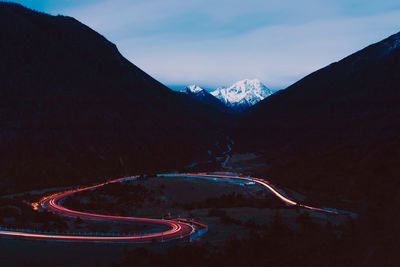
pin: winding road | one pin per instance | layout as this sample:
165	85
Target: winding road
267	185
177	229
51	203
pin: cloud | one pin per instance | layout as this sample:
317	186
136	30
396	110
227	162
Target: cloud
192	17
215	43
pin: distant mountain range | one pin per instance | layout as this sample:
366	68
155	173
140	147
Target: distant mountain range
90	112
235	98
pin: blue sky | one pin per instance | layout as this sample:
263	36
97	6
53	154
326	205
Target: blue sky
217	42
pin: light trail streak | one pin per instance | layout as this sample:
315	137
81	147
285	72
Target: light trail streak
178	227
227	175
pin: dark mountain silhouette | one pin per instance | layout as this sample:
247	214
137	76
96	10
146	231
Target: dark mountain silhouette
73	108
344	116
337	131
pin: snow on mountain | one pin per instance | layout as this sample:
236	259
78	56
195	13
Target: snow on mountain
242	94
203	96
196	92
192	89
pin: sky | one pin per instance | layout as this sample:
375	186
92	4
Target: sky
215	43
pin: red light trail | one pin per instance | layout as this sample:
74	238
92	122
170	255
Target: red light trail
178	228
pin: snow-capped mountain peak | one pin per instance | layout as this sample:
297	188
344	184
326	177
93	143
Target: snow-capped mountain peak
202	95
242	94
235	98
192	89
